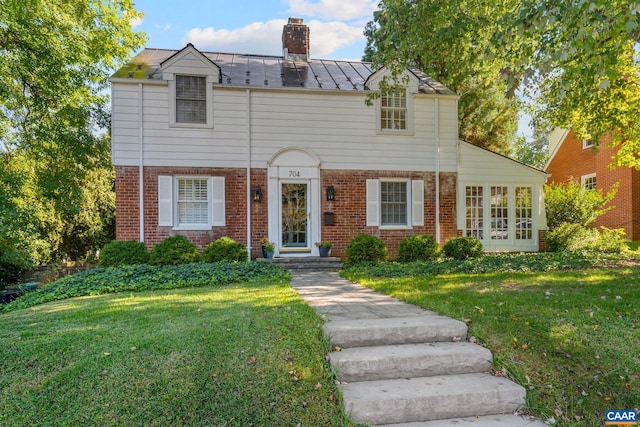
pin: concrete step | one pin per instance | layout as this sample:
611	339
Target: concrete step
310	263
484	421
409	360
431	398
396	330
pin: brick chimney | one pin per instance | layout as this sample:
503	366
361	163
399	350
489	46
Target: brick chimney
295	40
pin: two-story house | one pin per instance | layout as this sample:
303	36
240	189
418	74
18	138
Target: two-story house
571	158
286	147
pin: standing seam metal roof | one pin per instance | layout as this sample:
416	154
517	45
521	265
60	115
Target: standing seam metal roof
275	71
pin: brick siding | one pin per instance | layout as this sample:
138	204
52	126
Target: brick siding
349	208
572	161
350	213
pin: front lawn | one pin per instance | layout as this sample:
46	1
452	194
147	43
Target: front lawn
225	355
569	336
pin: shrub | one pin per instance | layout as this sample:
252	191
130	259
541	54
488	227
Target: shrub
120	252
173	251
573	203
462	248
136	278
224	249
364	247
418	248
576	237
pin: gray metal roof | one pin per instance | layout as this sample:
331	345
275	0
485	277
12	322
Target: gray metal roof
274	71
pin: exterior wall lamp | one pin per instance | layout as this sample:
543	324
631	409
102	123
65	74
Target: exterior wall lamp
331	193
256	194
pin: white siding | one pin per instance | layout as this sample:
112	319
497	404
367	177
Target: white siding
479	167
338	127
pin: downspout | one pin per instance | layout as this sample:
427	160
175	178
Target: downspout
248	133
437	131
141	162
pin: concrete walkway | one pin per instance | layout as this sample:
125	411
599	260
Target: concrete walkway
346	304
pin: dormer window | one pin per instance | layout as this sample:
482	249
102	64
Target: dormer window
191	99
393	111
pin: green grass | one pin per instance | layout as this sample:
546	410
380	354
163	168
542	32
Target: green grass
570	337
232	355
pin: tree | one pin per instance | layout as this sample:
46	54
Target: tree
55	59
580	61
451	42
534	152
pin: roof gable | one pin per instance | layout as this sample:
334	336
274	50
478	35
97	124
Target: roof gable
190	60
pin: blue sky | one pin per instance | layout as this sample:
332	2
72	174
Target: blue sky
255	26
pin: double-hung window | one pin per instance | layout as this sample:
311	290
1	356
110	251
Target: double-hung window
395	203
191	202
191	99
393	111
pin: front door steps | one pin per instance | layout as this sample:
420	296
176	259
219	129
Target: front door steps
420	371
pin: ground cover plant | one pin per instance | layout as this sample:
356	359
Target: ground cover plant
557	324
135	278
231	355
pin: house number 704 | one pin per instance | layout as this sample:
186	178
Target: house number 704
294	174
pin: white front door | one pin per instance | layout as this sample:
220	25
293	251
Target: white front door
294	201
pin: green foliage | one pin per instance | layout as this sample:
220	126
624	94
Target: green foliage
572	203
577	237
364	248
492	263
462	248
174	250
418	248
578	60
451	42
56	179
224	249
135	278
120	252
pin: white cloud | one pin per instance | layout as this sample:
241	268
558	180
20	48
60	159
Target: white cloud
259	38
266	38
327	37
136	22
334	9
166	27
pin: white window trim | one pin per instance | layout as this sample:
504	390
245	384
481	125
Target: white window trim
584	178
587	143
409	131
168	202
172	103
415	197
511	209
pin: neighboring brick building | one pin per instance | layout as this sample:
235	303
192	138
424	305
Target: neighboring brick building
575	159
248	146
